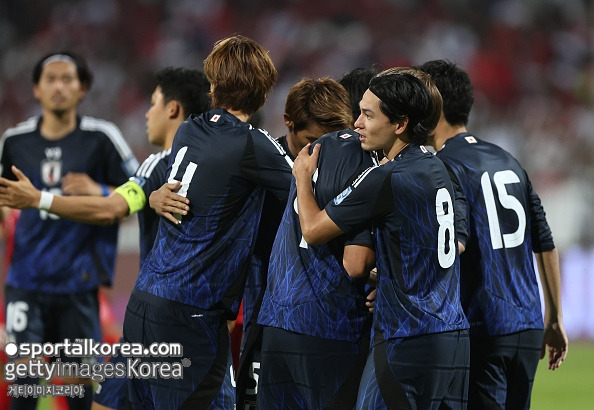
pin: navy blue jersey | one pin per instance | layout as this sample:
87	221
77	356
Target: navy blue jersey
308	290
52	254
150	176
506	223
410	200
225	167
272	213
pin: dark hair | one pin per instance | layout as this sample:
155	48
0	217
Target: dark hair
188	87
402	96
436	102
82	69
356	82
320	101
455	88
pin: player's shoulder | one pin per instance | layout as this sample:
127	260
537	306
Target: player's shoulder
337	138
24	127
88	123
152	162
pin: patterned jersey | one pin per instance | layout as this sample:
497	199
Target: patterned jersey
52	254
225	167
506	223
410	200
272	213
308	290
150	176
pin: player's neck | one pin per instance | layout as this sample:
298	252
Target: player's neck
444	131
398	146
243	117
57	125
172	130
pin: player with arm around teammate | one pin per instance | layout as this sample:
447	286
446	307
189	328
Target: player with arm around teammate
507	226
191	281
419	356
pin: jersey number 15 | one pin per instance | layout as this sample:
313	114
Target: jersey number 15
501	179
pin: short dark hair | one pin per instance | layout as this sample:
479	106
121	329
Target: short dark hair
356	82
188	87
404	95
455	88
82	69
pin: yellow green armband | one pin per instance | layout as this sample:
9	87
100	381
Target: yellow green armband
133	194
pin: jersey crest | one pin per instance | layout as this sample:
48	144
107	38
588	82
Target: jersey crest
51	172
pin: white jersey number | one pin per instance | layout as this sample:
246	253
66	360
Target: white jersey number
16	316
186	178
446	252
501	179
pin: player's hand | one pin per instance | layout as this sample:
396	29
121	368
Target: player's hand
18	194
370	300
305	165
556	342
166	202
79	183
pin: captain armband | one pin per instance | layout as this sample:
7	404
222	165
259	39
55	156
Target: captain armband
133	194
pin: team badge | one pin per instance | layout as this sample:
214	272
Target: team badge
51	172
342	196
215	118
470	139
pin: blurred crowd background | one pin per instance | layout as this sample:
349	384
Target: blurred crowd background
531	62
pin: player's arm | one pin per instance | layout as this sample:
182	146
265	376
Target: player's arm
358	260
21	194
316	226
79	183
555	338
166	202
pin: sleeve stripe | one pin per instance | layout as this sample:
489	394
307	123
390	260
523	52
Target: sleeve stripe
112	132
360	178
145	170
278	146
23	127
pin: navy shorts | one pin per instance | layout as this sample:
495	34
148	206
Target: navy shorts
112	392
36	317
204	337
307	372
423	372
502	370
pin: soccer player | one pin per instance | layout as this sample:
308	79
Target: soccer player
313	107
57	264
419	354
507	228
177	93
192	280
316	333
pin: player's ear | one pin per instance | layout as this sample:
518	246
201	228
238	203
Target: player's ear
288	122
174	109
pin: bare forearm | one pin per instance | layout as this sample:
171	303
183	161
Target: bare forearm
550	277
92	210
317	228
